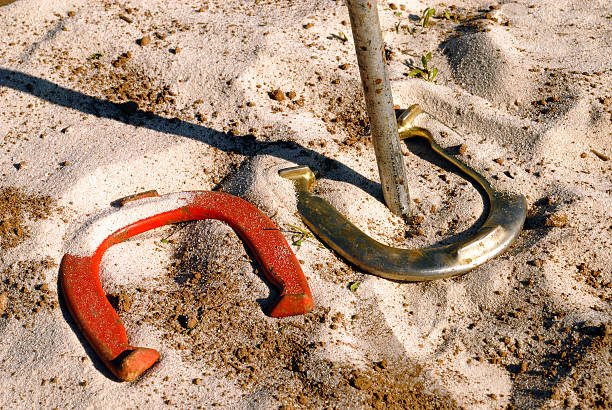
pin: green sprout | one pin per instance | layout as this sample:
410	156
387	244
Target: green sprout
427	14
340	36
354	285
298	235
426	73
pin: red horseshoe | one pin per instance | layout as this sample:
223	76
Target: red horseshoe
80	267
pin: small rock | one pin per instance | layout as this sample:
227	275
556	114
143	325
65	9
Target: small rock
144	41
499	161
197	381
537	263
556	220
462	149
125	18
71	13
308	25
192	322
344	66
20	165
277	95
175	50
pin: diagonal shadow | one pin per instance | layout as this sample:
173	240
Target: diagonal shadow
129	114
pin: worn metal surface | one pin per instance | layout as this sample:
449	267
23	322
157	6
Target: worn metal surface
94	315
370	50
505	220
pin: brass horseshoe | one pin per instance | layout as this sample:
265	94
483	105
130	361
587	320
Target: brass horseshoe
505	220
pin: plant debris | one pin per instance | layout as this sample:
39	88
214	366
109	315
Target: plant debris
426	73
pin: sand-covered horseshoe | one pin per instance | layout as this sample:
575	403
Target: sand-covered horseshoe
87	302
507	214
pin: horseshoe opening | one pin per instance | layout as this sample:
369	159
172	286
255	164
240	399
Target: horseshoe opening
505	217
80	267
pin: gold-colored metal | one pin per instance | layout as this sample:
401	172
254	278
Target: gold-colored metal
507	214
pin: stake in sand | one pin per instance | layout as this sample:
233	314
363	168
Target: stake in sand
379	103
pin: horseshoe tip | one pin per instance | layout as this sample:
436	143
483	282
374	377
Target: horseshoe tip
131	364
292	305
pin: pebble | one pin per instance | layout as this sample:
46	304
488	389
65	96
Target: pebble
556	220
20	165
125	18
192	322
144	41
277	95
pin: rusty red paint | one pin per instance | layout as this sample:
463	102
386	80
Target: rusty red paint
102	326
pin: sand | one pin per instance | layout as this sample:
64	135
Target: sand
92	113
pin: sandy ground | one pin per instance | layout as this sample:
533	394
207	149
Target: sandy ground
104	99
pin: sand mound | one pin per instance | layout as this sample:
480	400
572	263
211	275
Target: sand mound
486	64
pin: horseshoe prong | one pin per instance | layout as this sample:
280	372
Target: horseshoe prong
80	266
504	222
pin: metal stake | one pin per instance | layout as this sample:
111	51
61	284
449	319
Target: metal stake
379	103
